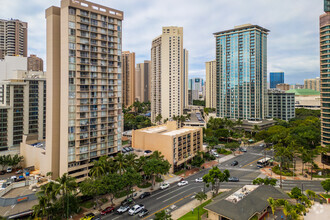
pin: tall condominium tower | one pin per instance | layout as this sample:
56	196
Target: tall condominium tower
211	84
84	116
143	81
167	73
35	63
185	78
13	38
22	108
128	61
313	84
276	78
241	62
325	79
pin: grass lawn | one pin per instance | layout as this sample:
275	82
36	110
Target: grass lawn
124	142
179	172
326	195
194	216
88	204
145	185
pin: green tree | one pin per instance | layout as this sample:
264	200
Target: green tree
162	215
296	193
272	205
326	185
100	167
113	183
158	118
93	187
216	177
200	196
311	194
121	163
130	178
265	181
155	166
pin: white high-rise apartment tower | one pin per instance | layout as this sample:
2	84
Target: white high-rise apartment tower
167	74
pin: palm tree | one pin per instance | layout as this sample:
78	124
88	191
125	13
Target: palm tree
131	160
100	167
200	197
272	204
158	118
67	186
304	156
120	163
311	194
281	153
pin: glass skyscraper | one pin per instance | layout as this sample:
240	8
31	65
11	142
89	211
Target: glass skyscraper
241	67
276	78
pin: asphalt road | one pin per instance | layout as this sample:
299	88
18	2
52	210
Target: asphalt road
175	197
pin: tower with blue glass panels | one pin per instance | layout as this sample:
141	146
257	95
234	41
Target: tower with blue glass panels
241	67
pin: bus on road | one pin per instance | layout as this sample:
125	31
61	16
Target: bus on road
263	162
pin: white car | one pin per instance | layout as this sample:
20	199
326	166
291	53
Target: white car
164	186
199	180
182	183
9	170
135	209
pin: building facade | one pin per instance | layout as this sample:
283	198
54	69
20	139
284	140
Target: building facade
35	63
276	78
9	66
143	81
281	105
13	38
84	77
313	84
128	87
210	84
178	145
185	78
296	86
283	86
167	73
241	65
325	78
22	108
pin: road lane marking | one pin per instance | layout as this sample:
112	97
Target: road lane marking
179	194
180	188
251	162
168	206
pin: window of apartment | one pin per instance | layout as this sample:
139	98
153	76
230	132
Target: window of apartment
72	11
72	25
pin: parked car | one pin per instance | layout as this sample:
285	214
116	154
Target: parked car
164	185
2	172
122	209
199	180
234	163
19	171
143	213
243	149
135	209
20	178
107	210
132	195
9	170
145	194
89	216
183	183
233	179
127	201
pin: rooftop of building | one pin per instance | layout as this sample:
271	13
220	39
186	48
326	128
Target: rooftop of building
242	27
245	202
303	92
170	129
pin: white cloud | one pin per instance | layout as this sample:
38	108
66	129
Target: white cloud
292	46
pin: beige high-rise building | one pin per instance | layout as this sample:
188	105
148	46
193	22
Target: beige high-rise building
143	81
283	86
313	84
128	82
35	63
211	84
22	108
167	73
13	38
185	78
84	116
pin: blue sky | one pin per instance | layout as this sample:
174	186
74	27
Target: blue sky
293	42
